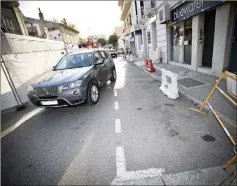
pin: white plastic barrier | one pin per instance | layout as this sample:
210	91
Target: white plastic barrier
169	85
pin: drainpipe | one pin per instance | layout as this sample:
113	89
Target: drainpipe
20	105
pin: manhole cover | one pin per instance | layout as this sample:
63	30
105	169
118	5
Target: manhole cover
189	82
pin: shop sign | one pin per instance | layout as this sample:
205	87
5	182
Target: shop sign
191	8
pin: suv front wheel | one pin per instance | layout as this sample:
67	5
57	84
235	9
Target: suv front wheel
93	93
114	75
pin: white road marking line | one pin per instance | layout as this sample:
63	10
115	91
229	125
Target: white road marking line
115	93
21	121
120	160
137	175
116	105
117	126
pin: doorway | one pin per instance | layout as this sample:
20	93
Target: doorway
233	55
209	29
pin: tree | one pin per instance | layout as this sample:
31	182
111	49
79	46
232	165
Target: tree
113	39
102	42
64	21
72	25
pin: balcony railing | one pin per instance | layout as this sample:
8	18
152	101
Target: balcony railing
150	8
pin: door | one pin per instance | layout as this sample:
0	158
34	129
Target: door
107	65
101	69
209	29
233	55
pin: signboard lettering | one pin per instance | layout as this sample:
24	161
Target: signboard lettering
191	8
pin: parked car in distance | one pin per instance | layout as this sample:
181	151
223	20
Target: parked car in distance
120	51
76	78
112	53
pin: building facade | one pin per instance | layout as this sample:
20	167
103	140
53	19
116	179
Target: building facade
119	32
53	31
197	35
12	18
128	33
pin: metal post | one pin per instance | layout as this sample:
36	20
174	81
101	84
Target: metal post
65	47
13	88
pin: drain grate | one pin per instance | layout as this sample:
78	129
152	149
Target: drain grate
189	82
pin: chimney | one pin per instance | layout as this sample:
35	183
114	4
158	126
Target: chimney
42	27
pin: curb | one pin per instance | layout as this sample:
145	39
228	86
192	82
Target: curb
195	101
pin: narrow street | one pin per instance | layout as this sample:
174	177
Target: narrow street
133	129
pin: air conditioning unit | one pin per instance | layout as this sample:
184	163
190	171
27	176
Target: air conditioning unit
164	14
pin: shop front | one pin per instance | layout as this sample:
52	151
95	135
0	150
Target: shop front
199	35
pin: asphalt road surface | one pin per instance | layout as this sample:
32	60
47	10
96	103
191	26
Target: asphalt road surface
134	131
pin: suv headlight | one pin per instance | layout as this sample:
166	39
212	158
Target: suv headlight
72	85
30	89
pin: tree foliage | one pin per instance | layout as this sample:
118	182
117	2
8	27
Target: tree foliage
113	39
102	42
64	21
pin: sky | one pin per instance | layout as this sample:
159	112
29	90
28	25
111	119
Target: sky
90	17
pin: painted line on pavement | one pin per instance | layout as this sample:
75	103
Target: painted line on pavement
120	160
21	121
115	93
117	126
123	175
116	105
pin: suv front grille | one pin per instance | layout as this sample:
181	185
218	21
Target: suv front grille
46	91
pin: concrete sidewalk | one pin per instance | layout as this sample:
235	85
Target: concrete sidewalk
198	94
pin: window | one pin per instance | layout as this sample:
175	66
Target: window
10	24
97	55
130	19
7	22
104	54
78	60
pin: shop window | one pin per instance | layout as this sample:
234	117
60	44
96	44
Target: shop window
181	42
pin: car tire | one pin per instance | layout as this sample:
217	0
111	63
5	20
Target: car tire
93	94
114	75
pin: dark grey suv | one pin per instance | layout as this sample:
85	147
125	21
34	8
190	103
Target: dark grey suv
77	78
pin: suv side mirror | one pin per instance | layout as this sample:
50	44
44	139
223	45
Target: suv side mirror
54	68
99	61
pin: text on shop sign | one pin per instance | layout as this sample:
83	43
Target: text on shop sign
191	8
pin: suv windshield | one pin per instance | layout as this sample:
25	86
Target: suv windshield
75	61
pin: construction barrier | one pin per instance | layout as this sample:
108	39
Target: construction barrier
149	65
169	85
231	81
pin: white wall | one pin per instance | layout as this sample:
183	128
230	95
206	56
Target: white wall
7	97
12	43
27	58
